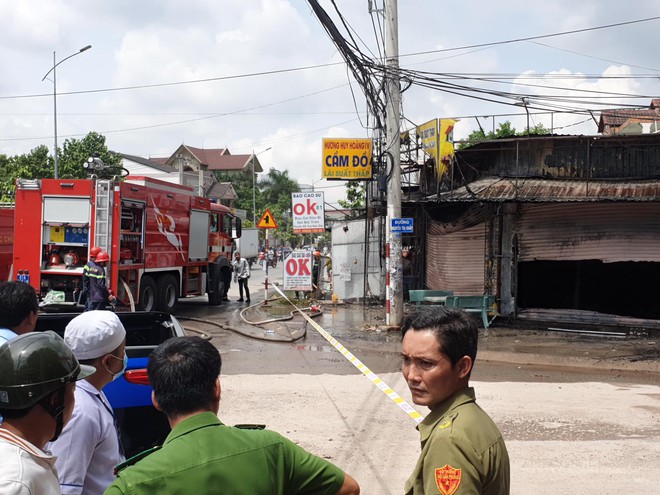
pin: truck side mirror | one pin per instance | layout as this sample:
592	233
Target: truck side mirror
239	228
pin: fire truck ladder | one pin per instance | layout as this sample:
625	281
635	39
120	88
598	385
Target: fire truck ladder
102	225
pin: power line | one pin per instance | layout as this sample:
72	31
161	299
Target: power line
531	38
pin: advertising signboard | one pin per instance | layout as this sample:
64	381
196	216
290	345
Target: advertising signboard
308	212
298	270
347	159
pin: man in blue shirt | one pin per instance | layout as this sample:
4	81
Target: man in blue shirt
18	309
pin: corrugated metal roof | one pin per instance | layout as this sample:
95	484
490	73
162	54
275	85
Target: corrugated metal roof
525	190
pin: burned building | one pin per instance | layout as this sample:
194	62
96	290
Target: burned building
557	228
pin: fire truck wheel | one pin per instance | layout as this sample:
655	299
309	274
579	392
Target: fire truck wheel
216	285
147	298
226	277
167	293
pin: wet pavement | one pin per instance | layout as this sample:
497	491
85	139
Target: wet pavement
286	346
578	408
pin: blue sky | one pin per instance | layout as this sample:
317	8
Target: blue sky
155	42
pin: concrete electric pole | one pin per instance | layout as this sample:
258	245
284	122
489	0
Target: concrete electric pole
394	276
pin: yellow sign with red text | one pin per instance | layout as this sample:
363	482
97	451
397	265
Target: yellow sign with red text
347	159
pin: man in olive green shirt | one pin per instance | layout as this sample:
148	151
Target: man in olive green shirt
462	449
201	455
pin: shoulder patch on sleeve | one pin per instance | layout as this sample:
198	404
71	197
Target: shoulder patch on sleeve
448	479
134	459
448	420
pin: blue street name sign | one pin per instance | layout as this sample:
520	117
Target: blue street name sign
402	225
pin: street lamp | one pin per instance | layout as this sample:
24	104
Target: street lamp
254	194
52	69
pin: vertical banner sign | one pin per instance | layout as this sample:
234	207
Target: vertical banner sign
347	159
308	212
298	271
446	144
428	134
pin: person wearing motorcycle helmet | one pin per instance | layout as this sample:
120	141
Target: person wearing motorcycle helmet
93	253
99	295
38	372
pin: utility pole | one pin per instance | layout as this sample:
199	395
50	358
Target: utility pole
394	275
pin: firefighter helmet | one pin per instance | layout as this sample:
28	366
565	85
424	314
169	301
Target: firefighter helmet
35	364
94	252
102	256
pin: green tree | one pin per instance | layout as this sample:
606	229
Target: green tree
39	164
33	165
275	193
272	191
75	153
355	197
504	130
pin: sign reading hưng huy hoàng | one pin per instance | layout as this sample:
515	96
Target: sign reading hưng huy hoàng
347	159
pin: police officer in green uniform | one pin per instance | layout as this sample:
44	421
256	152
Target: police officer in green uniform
462	448
201	455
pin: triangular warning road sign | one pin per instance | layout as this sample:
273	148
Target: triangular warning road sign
267	221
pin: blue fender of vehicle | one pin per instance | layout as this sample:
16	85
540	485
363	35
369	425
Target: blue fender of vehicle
122	393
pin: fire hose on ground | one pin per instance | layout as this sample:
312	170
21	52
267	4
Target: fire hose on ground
309	311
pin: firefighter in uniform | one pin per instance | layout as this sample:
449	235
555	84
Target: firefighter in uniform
202	456
462	448
37	375
93	253
99	295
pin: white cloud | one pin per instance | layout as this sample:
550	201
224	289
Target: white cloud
165	41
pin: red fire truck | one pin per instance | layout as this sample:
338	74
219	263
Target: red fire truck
164	242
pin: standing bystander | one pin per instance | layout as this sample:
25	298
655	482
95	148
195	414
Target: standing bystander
203	456
37	381
242	275
89	448
19	307
462	448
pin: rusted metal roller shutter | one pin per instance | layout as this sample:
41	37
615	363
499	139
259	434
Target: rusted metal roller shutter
455	261
611	232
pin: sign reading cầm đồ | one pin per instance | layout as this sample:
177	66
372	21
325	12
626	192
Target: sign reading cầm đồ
347	159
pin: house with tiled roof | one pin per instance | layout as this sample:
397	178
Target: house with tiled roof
631	120
188	175
149	167
219	159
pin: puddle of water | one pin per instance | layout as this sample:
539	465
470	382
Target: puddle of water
314	348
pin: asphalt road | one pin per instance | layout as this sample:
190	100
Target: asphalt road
578	414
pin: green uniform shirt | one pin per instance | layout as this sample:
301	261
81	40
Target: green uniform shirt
462	451
203	456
